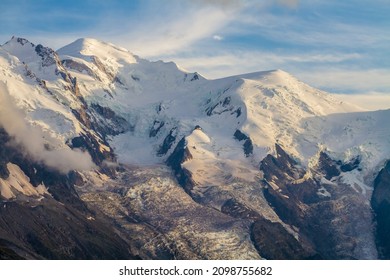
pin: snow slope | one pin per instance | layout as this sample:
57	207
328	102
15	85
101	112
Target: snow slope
268	107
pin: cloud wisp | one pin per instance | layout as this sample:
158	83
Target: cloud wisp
35	142
183	29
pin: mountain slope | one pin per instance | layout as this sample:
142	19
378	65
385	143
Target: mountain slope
254	154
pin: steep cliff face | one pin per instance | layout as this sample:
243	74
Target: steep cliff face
326	210
380	202
180	155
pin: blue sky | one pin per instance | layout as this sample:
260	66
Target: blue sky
339	46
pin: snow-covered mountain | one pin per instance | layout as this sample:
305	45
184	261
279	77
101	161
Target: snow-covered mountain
207	169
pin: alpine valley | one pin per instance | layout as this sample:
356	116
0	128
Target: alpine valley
105	155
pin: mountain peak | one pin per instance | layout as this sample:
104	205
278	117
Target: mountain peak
275	77
84	47
18	41
21	48
89	43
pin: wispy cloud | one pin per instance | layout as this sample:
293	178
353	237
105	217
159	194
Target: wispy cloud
369	101
236	62
349	80
183	29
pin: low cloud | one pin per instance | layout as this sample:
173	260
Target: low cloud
370	101
348	80
39	145
235	62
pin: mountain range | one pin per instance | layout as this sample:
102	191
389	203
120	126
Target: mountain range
105	155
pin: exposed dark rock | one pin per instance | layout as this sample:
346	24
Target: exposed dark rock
280	166
237	112
135	78
87	142
23	41
106	122
49	56
334	225
195	77
308	191
4	173
79	67
235	209
333	218
159	108
271	239
75	178
82	116
179	156
221	106
226	101
111	76
290	210
240	136
380	202
248	145
7	253
351	165
328	166
118	80
157	125
210	110
167	143
274	242
55	231
4	159
284	158
104	111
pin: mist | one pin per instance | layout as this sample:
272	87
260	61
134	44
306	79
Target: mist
35	141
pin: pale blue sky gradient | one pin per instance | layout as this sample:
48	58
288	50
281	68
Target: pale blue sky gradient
339	46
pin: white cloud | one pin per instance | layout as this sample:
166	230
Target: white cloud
370	101
348	80
218	37
225	63
181	29
178	34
